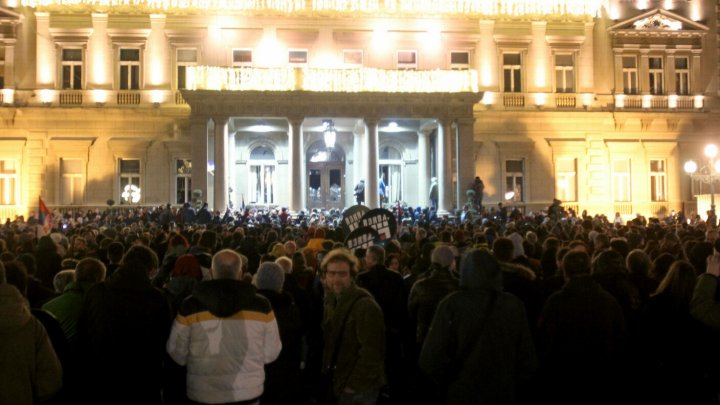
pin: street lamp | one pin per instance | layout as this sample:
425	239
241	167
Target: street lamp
708	173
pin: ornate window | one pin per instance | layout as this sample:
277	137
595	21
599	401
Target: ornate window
566	179
129	69
9	191
183	181
682	75
242	57
261	176
407	59
514	179
630	75
72	67
129	180
657	75
72	184
621	180
512	72
658	180
185	58
564	73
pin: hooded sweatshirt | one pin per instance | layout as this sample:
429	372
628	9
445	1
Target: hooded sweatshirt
29	367
479	365
225	334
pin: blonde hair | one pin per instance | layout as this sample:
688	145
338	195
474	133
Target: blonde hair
341	255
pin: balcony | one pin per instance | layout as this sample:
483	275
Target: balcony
72	97
94	98
659	102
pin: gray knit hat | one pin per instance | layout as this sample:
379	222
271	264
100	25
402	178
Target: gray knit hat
270	276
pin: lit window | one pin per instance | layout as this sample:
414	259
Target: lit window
630	75
566	179
72	185
298	56
352	57
564	73
682	75
512	73
8	182
185	58
261	176
183	181
129	170
657	180
459	60
657	75
129	69
242	57
514	179
621	180
407	60
72	61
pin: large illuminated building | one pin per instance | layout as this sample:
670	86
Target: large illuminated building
292	102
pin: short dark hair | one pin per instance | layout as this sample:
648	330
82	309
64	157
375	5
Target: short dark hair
378	252
90	270
503	249
140	257
576	263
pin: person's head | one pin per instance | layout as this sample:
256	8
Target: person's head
79	243
115	252
29	261
270	276
503	249
16	275
698	254
140	258
374	255
609	261
661	266
299	263
479	269
290	248
187	266
444	257
393	262
285	263
208	240
278	250
638	262
62	279
90	270
46	245
575	263
339	267
227	265
679	282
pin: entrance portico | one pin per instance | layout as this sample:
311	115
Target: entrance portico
227	126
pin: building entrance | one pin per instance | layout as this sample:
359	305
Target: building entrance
325	179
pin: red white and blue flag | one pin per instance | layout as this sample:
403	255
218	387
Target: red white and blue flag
45	218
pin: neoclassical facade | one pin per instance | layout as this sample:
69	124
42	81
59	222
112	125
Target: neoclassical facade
293	102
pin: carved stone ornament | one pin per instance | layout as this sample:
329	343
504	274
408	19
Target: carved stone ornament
658	22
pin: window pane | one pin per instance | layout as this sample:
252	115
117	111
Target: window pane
130	55
183	166
135	77
72	55
66	77
353	57
629	62
681	63
516	78
71	166
507	80
511	59
129	166
124	71
77	78
187	55
262	153
515	166
459	58
655	63
657	165
180	184
563	60
407	57
621	166
297	56
242	56
182	83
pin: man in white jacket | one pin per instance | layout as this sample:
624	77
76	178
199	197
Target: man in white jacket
225	333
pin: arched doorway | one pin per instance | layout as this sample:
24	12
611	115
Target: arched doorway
325	177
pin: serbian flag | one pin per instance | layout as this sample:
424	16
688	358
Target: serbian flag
45	218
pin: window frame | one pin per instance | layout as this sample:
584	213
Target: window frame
185	65
298	64
14	186
406	65
656	76
130	175
570	178
622	181
512	68
682	72
630	74
353	65
186	178
72	65
658	178
566	70
242	64
64	200
129	65
459	66
507	174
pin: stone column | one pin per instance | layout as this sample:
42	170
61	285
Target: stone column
465	157
231	174
444	166
157	72
643	69
670	86
199	155
487	57
358	157
423	167
619	79
100	55
538	62
221	183
585	64
295	146
372	197
46	73
9	66
696	73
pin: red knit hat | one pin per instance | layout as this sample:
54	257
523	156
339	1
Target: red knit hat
187	265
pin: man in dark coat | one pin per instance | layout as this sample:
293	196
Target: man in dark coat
388	289
122	330
581	333
479	349
354	332
360	192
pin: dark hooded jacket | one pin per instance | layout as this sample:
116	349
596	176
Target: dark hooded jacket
473	365
225	333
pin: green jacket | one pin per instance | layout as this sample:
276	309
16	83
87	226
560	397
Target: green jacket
703	306
361	355
66	308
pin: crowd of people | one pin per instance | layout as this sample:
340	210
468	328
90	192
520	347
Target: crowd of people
177	306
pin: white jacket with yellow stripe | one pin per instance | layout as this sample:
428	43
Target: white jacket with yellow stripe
225	333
